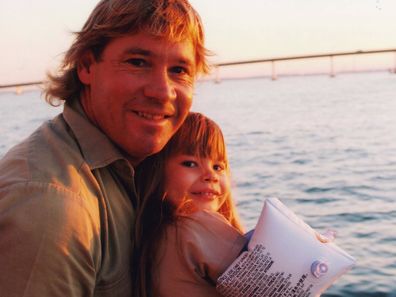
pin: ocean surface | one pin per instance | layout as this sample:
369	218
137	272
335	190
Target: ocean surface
325	146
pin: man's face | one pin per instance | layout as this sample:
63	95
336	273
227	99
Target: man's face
140	91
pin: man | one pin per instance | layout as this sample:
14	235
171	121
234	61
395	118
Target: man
67	193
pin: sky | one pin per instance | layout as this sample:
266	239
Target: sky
34	34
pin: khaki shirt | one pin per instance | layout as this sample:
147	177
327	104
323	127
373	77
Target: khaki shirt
66	215
195	251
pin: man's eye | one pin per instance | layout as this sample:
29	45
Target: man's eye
136	62
179	70
189	164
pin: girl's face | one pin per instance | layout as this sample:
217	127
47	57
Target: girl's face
204	181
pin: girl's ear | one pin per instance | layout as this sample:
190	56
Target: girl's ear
84	70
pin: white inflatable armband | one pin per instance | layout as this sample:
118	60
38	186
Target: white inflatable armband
285	257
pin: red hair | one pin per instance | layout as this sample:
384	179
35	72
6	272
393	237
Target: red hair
198	136
175	20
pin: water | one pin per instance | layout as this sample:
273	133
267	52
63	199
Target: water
20	115
325	146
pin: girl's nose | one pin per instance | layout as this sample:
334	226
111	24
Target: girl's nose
210	176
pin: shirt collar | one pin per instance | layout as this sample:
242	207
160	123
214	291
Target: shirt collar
96	147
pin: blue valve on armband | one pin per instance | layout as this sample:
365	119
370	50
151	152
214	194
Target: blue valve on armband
319	268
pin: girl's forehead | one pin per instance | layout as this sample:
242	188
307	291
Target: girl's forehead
197	156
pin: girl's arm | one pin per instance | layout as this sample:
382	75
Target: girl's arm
196	251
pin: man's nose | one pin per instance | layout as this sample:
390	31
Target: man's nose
160	87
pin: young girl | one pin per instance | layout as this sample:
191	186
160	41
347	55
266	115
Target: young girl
188	232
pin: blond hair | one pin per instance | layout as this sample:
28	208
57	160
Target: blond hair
175	20
198	136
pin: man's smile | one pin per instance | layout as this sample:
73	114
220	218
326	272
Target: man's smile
151	116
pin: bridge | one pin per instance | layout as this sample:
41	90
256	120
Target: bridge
331	56
273	61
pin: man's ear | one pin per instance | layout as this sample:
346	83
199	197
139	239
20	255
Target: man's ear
84	68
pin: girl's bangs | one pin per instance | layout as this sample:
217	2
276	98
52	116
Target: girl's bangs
200	137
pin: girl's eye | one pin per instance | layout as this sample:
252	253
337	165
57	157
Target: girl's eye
189	164
218	167
136	62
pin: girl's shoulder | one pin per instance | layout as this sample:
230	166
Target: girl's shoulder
206	228
204	242
205	216
204	220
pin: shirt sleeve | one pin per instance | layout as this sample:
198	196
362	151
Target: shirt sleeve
48	242
195	252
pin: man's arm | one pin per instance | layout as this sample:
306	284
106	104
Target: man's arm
49	242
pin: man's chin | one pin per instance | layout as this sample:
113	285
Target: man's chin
135	157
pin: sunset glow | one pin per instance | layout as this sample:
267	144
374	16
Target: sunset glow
35	34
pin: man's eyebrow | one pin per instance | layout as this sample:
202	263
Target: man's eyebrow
137	51
144	52
187	62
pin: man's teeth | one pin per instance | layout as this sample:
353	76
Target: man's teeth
150	116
